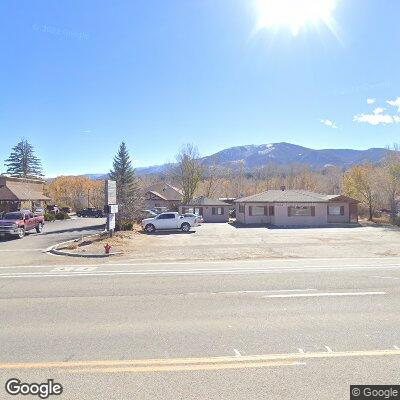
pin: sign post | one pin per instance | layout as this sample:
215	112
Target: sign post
111	205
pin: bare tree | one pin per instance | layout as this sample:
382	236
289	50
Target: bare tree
391	179
189	170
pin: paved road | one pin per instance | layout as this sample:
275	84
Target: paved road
29	250
303	329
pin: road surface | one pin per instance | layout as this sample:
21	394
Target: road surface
29	250
277	329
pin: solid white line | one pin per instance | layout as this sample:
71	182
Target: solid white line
264	291
328	349
323	294
19	250
386	277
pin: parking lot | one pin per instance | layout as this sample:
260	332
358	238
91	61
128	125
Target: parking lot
222	241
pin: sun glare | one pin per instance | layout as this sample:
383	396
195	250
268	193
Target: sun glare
294	14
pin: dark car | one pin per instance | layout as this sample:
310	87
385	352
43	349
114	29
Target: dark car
90	212
66	210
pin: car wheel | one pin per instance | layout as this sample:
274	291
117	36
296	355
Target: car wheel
150	228
21	233
39	228
185	227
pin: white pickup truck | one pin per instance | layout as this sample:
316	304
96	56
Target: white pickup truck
169	220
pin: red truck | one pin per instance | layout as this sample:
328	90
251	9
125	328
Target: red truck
18	222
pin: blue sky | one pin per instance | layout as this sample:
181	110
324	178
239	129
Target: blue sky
78	77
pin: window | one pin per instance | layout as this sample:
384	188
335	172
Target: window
301	211
258	210
198	210
166	216
220	211
271	210
335	210
241	208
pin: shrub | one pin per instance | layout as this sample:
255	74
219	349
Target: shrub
124	226
61	216
49	217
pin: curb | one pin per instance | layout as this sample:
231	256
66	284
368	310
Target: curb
53	250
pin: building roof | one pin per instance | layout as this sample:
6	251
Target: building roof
165	191
15	193
206	201
291	196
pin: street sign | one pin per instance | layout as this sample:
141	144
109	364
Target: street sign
110	192
113	208
111	222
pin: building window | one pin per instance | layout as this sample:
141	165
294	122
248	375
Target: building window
220	211
257	210
241	208
271	210
301	211
335	210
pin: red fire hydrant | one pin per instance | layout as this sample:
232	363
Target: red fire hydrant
107	248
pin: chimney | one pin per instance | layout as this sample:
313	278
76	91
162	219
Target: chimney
283	188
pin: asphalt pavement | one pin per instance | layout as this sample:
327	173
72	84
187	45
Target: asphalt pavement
272	329
30	249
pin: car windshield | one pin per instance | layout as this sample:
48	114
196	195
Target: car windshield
13	216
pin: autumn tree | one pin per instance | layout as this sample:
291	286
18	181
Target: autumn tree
23	163
360	182
76	192
188	171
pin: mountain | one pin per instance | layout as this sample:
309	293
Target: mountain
255	156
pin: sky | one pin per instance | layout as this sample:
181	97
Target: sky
78	77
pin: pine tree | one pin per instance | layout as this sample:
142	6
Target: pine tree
23	163
128	191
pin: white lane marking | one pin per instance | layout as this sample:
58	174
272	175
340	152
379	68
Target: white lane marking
395	347
70	269
385	277
301	351
19	250
237	353
262	291
267	261
328	349
323	294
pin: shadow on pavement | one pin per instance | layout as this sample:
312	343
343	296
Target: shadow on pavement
81	229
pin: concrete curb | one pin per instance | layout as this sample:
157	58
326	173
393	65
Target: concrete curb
54	249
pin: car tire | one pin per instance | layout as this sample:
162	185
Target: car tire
185	227
150	228
39	228
21	233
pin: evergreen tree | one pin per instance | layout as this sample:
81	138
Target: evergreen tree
22	162
129	196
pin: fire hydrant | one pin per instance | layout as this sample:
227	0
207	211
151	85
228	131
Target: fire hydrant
107	248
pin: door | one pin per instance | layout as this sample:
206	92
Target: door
166	221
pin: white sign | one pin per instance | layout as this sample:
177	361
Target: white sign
111	192
111	222
113	208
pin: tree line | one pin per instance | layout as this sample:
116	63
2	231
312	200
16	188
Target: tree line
376	186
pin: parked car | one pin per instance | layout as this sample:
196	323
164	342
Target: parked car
53	208
199	218
66	210
39	211
90	212
169	220
19	222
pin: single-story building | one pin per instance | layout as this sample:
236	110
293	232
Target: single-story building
21	193
296	207
212	210
162	195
